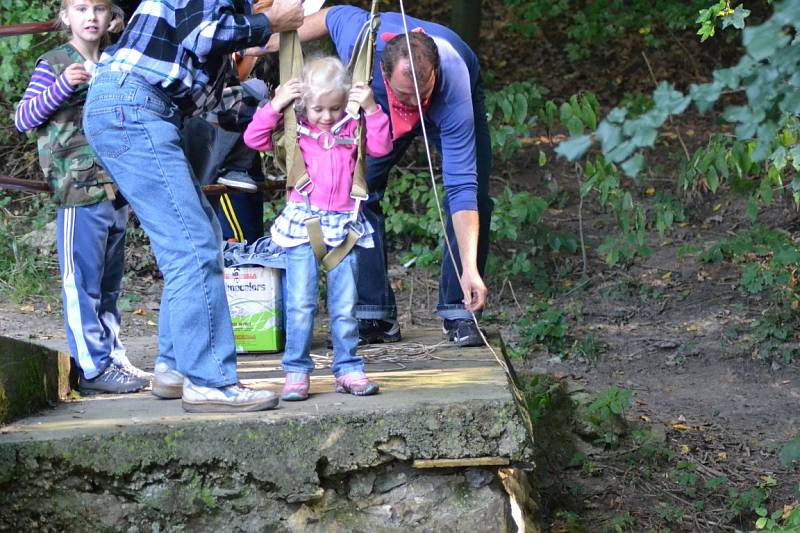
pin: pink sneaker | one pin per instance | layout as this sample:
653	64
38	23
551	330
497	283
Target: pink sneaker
295	389
356	383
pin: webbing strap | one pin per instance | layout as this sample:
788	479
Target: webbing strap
329	258
290	55
335	256
315	237
362	72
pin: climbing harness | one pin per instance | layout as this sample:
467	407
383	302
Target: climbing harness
291	66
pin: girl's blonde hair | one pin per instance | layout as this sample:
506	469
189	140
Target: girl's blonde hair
116	13
323	75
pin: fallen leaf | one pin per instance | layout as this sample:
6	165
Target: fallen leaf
645	418
722	456
692	327
787	510
667	276
27	309
650	191
684	449
680	426
151	323
138	311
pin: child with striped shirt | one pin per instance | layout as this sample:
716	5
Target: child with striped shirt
91	218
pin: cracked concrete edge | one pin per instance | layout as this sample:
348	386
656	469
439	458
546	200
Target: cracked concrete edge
290	455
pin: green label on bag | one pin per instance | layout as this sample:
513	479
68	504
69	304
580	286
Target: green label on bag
256	307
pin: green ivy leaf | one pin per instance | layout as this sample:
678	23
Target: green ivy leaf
617	115
622	152
668	100
632	166
787	13
574	148
705	95
762	41
609	136
736	19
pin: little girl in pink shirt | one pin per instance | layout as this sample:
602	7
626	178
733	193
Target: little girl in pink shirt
327	142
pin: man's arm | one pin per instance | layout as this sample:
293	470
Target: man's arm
466	225
313	28
229	31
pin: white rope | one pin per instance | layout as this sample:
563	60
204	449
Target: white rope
439	209
500	360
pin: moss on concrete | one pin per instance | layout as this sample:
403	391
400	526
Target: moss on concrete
239	466
31	377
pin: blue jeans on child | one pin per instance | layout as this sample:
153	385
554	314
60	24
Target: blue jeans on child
375	295
91	254
302	294
135	129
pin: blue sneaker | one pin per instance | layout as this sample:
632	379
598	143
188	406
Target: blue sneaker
115	379
237	179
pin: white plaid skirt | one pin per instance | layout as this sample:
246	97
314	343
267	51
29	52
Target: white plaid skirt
289	228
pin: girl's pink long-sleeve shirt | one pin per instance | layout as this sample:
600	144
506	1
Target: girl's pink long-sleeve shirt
330	170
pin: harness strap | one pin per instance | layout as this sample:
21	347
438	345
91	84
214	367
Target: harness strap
315	238
291	66
361	65
290	56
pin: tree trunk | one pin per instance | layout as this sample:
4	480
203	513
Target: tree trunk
465	19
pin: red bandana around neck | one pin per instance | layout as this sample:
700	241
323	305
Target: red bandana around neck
404	117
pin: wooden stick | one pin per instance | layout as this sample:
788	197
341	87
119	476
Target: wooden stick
466	461
28	28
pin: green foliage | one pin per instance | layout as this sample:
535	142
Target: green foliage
543	325
538	394
766	75
790	452
18	54
591	25
722	11
770	261
512	115
609	404
619	523
23	273
521	237
412	216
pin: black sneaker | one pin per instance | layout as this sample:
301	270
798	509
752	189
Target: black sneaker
462	332
115	380
378	331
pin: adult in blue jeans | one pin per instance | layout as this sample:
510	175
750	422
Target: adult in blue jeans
172	62
448	75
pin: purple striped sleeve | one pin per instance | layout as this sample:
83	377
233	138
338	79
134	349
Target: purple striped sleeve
42	97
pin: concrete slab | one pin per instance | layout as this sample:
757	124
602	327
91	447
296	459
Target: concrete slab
437	402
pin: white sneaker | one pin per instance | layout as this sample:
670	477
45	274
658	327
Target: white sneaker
167	382
230	399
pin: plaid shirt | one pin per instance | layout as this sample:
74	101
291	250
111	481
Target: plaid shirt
289	228
184	46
